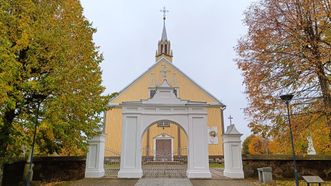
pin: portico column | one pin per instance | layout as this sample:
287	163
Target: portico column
95	157
198	162
131	148
233	166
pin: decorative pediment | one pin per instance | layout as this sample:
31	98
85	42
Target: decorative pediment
231	129
165	98
165	95
164	101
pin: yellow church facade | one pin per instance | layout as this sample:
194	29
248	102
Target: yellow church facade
164	140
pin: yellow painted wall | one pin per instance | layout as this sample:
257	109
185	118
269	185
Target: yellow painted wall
214	119
113	132
187	90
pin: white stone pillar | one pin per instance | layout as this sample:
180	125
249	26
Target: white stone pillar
233	167
131	151
95	157
198	161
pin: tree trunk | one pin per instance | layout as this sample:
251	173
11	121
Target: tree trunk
326	94
5	131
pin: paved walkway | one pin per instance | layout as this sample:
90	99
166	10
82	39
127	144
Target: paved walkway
155	182
217	173
164	171
163	182
224	183
163	175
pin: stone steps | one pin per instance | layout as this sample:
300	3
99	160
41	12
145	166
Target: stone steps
165	170
163	163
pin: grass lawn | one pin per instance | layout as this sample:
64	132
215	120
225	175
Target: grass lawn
292	182
112	165
216	165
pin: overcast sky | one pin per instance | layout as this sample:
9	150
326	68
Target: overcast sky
203	35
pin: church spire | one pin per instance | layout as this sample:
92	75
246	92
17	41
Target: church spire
164	49
164	32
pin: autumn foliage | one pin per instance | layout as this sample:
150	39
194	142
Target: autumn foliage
277	140
255	145
50	75
287	50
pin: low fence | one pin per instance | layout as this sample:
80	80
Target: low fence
46	169
212	159
49	169
282	166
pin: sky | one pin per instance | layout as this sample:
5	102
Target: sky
203	35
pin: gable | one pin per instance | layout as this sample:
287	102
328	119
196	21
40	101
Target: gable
187	88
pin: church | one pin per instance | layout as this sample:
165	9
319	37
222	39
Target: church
164	139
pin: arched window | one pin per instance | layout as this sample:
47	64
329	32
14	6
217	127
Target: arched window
152	93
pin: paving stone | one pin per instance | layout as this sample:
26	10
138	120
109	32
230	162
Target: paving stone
163	182
232	182
164	171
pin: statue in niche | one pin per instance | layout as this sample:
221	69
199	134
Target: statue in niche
311	149
212	135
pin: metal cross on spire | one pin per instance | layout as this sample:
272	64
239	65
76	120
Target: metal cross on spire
230	118
164	32
164	11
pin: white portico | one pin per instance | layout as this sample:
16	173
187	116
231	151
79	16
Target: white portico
191	116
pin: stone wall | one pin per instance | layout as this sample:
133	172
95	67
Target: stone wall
1	173
212	159
282	166
13	173
46	169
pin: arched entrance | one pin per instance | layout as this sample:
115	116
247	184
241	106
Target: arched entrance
164	140
164	150
138	116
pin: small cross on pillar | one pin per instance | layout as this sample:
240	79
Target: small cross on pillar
230	118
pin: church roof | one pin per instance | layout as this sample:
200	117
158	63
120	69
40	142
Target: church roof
218	102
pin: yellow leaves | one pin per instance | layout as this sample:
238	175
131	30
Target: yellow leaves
24	38
303	127
278	142
286	43
46	48
274	147
257	146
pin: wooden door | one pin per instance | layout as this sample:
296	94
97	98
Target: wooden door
163	149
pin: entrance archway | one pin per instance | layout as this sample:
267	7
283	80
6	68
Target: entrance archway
164	150
164	140
137	116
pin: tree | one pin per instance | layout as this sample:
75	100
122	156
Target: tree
256	145
247	141
303	126
287	50
48	64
